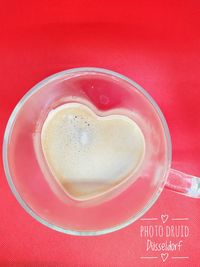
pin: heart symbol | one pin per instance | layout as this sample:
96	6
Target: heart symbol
164	256
164	218
89	154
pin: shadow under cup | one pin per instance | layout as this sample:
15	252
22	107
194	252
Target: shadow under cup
32	182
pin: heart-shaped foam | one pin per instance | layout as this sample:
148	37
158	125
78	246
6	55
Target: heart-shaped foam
88	154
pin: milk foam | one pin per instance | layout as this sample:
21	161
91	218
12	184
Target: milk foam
89	154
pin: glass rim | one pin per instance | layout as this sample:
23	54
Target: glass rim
11	120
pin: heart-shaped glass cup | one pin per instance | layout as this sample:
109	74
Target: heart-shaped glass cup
28	175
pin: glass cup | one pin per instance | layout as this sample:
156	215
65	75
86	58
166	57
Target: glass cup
37	191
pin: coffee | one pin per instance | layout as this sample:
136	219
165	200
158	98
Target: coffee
89	153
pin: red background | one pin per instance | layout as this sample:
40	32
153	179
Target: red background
156	43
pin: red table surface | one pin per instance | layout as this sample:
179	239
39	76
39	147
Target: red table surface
157	44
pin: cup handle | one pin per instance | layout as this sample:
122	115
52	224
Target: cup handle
183	183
